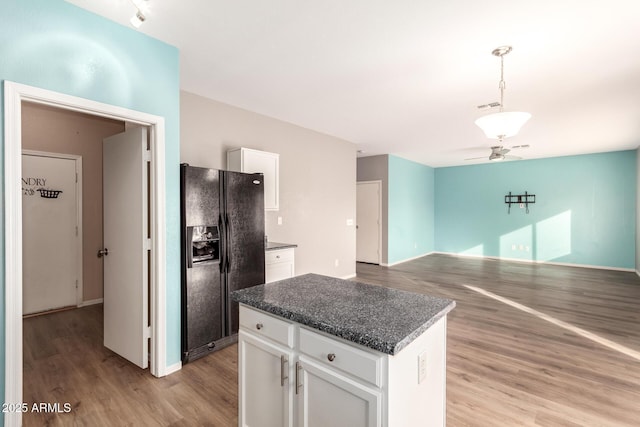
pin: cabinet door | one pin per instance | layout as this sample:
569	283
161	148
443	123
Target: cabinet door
279	271
266	395
326	398
267	164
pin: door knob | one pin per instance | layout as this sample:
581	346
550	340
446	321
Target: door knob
103	252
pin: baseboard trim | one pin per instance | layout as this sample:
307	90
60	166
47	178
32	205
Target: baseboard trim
91	302
638	273
406	260
529	261
173	368
350	276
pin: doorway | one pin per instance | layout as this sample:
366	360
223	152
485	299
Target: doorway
14	95
369	222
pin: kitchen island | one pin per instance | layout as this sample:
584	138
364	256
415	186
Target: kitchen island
319	351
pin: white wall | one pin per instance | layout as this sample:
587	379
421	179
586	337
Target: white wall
317	178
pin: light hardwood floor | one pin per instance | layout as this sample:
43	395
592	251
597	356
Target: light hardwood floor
571	358
65	362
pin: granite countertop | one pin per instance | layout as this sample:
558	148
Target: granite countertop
274	246
381	318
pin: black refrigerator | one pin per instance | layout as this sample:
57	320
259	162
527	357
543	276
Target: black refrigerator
222	232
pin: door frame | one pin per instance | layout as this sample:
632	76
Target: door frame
14	94
78	165
379	185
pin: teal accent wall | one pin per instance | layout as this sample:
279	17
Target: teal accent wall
585	210
638	211
54	45
411	209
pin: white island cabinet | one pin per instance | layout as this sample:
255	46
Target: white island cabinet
291	374
265	357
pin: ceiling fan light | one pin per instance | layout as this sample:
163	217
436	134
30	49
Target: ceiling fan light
503	124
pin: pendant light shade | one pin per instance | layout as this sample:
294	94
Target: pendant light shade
503	124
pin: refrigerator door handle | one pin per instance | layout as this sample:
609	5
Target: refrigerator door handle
189	248
228	231
223	246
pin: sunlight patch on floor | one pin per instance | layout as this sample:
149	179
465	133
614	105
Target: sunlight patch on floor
578	331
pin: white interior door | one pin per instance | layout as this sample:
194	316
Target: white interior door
368	222
126	243
49	234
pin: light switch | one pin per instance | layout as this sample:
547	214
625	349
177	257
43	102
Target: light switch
279	220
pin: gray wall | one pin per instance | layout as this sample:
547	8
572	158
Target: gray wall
376	168
317	178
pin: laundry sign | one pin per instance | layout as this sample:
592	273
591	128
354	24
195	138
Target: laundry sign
32	186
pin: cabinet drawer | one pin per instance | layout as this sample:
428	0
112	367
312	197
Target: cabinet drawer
278	271
265	325
362	364
280	255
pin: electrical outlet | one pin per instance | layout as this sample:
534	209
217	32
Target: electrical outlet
415	245
279	220
349	222
337	262
513	247
422	367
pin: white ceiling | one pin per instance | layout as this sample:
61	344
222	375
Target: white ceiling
404	77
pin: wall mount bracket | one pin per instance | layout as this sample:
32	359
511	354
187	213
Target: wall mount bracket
524	200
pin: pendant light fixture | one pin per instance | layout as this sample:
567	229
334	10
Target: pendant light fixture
138	19
504	123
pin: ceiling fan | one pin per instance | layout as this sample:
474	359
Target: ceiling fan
499	153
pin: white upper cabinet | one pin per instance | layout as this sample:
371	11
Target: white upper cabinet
252	161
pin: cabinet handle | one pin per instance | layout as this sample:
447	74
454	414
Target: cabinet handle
259	326
331	357
298	369
283	371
